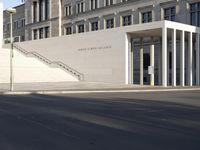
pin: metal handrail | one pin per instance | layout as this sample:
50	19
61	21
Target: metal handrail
60	64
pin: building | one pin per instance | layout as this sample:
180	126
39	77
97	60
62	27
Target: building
18	25
152	42
1	23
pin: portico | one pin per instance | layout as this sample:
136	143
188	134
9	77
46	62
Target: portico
171	51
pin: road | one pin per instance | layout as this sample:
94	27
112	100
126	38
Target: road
104	121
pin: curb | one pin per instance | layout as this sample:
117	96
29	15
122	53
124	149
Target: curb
98	91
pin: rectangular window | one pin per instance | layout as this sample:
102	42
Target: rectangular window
94	26
15	25
41	6
146	60
127	20
81	28
47	9
46	32
170	13
35	35
23	23
80	7
68	10
41	34
68	30
109	2
34	12
110	23
195	14
147	17
93	4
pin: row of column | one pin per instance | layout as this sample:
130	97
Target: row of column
182	58
163	60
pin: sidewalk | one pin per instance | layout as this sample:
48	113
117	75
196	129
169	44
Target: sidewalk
83	87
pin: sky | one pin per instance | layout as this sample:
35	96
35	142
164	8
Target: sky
11	3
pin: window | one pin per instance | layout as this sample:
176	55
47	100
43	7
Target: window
34	12
68	30
23	23
109	2
147	17
15	25
94	26
68	10
195	14
22	38
41	35
81	28
170	13
125	1
8	27
127	20
93	4
41	10
80	7
47	9
110	23
146	60
35	35
46	29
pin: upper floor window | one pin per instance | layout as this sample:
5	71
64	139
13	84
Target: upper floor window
170	13
124	0
195	14
68	10
22	23
93	4
146	17
110	23
80	7
109	2
47	14
127	20
16	25
34	12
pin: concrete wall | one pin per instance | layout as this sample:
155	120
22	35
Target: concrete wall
1	23
100	55
30	70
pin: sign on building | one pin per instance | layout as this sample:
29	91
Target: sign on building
151	70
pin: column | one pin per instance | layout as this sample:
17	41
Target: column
197	60
190	50
141	63
1	23
152	62
131	60
160	63
182	59
60	17
174	57
164	56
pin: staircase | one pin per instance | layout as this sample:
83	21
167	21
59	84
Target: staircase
57	64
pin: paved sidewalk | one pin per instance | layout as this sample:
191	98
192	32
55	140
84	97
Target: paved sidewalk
83	87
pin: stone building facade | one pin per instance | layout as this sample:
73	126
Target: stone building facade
18	25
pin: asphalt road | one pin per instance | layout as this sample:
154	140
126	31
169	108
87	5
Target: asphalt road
112	121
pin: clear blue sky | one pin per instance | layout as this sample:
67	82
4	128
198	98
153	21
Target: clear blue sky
11	3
